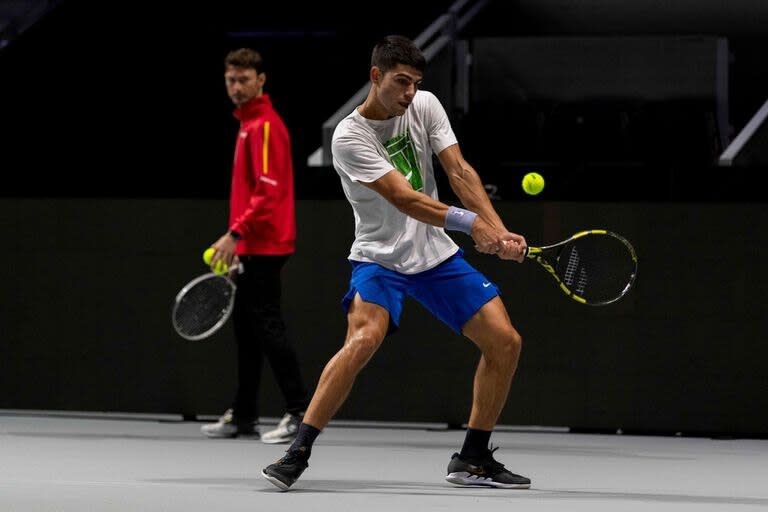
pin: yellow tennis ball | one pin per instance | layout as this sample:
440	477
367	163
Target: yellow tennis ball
533	183
220	267
208	255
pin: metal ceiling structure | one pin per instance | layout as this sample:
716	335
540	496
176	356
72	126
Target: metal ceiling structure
16	16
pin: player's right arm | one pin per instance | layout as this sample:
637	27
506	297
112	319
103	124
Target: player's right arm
355	155
395	188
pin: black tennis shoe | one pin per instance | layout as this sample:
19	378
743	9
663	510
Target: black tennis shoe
286	471
484	471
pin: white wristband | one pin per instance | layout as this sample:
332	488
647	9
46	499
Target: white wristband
459	219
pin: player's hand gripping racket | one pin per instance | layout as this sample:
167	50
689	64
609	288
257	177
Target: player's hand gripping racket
204	304
594	267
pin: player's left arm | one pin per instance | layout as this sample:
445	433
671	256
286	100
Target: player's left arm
468	187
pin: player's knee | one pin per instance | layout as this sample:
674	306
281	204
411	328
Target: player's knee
516	342
509	345
361	346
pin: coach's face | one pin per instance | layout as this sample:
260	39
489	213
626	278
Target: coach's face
396	88
243	84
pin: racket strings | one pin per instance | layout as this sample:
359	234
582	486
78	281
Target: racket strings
575	276
203	306
597	268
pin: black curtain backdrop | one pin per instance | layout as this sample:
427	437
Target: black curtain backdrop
85	318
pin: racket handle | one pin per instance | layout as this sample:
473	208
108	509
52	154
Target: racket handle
504	242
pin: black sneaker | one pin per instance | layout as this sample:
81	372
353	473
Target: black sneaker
484	471
287	470
229	426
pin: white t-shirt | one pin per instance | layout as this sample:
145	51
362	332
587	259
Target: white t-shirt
365	150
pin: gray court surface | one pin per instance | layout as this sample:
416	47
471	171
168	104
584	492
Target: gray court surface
52	462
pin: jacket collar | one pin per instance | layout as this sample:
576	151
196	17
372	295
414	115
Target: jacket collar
253	108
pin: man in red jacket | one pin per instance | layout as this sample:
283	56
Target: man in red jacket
261	237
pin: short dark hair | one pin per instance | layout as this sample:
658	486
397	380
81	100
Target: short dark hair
245	58
393	50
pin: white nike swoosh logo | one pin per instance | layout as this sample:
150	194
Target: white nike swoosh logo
486	285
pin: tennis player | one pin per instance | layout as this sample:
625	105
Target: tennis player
382	151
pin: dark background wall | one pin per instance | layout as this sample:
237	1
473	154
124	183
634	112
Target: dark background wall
742	22
115	146
126	99
86	318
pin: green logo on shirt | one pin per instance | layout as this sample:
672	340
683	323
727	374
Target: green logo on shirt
402	152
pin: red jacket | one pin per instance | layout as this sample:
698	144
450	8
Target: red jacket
261	205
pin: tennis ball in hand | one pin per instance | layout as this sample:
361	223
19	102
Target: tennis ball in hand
533	183
220	267
208	255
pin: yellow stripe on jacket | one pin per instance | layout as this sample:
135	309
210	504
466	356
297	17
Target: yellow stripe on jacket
265	149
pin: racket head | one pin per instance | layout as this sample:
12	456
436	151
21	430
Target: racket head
595	267
203	305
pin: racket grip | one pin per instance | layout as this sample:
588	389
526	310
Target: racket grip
238	269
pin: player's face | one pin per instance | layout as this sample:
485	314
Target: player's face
397	87
243	84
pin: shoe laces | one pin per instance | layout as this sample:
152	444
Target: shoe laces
492	464
294	455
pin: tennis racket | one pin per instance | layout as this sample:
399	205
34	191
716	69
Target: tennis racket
594	267
204	304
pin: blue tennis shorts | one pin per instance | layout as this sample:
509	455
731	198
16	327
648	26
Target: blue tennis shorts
453	291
